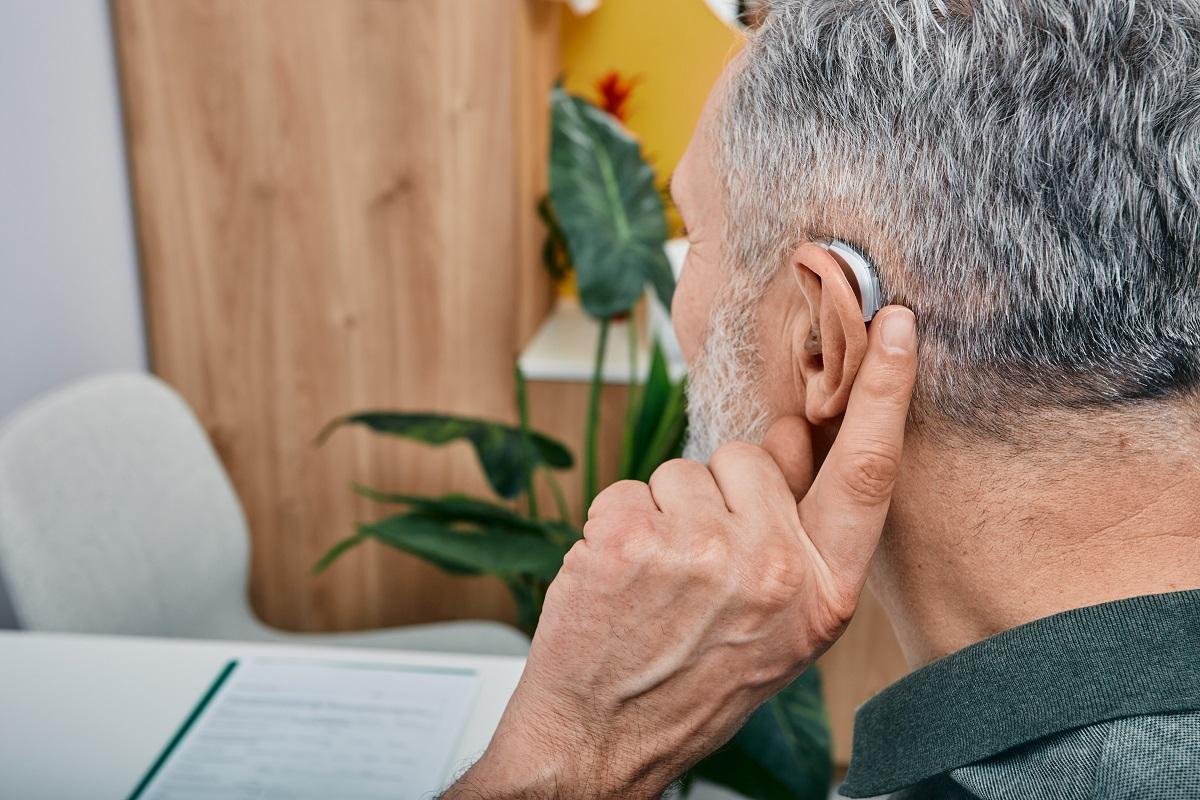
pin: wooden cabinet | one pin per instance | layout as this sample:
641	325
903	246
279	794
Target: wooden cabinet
336	211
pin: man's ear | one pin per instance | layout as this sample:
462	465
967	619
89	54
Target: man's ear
835	345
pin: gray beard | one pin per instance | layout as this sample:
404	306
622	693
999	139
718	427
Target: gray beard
723	399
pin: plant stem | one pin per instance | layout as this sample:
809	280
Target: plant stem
560	499
592	428
528	607
666	434
523	410
631	402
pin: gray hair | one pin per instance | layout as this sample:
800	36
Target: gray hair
1025	173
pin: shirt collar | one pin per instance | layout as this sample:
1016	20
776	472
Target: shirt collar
1125	658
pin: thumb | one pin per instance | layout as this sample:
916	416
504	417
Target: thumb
789	442
844	512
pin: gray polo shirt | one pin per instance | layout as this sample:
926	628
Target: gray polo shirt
1096	703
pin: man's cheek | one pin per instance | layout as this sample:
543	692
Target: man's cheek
689	311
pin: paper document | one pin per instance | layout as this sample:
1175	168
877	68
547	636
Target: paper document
298	729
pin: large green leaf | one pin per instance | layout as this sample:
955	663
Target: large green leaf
350	542
608	208
461	508
457	508
562	533
484	551
783	752
505	460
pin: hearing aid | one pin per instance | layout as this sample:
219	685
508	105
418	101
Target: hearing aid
863	276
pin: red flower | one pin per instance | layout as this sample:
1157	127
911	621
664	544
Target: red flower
614	94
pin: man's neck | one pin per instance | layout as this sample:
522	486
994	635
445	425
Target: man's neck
984	538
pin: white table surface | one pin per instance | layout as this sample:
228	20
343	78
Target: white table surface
85	716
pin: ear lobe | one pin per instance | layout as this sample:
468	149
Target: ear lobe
835	314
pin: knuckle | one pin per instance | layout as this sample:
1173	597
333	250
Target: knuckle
594	530
709	556
624	487
634	551
870	472
738	446
676	467
634	541
626	492
780	578
639	526
574	558
672	465
736	451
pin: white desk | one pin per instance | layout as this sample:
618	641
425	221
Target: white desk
85	716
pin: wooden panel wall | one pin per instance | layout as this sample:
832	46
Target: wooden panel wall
335	212
335	206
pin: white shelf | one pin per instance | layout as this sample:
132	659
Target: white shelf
565	346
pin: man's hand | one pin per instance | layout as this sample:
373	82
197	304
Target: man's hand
693	599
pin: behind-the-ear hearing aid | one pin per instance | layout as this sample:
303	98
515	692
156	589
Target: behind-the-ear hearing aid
863	272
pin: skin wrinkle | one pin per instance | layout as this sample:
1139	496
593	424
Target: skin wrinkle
1115	533
1122	523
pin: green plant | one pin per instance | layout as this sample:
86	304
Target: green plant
606	223
473	536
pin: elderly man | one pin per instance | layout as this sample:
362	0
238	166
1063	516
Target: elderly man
1026	176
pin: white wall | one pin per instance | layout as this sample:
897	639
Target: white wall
69	297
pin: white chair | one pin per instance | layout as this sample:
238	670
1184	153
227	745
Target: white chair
117	517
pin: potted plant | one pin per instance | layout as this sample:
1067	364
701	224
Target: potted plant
607	225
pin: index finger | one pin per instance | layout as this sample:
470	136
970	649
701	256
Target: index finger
844	511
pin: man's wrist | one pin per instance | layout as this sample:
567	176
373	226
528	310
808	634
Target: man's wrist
526	761
552	768
492	778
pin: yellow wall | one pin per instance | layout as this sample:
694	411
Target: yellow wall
676	48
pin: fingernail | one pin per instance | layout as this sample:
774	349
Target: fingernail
899	332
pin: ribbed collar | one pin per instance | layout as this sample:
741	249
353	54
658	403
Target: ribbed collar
1120	659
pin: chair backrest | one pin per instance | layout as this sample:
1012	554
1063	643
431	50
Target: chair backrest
117	517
